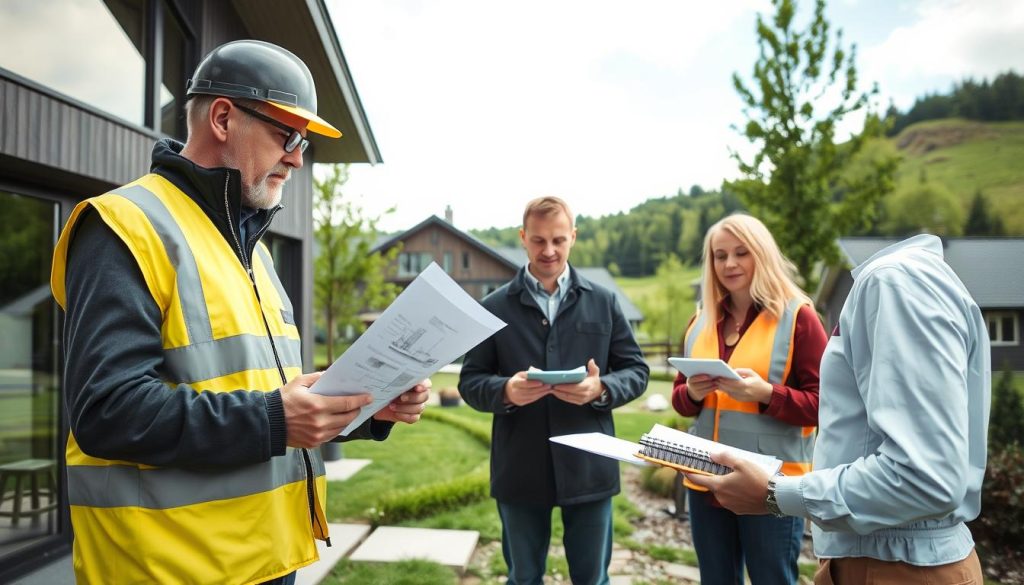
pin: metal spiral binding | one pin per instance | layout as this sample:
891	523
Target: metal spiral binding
681	455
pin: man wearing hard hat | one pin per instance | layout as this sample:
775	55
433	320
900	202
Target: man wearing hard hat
192	452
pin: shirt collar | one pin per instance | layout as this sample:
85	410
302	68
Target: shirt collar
926	242
562	280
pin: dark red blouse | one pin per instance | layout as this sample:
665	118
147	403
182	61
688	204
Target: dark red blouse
794	403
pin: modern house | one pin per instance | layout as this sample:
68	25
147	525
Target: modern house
992	269
86	87
478	267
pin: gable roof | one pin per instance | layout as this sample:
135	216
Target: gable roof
992	269
305	28
434	220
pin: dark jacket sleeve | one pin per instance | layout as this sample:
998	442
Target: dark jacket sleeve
479	383
627	372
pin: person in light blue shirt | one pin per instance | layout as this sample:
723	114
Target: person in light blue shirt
903	422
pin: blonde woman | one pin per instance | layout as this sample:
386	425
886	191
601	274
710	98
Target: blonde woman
757	319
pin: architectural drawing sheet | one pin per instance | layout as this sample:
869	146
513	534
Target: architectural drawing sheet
430	324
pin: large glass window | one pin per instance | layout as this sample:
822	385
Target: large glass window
90	50
29	381
412	263
94	51
1003	327
172	91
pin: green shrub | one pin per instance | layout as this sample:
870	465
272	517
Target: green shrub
1005	423
428	500
999	529
659	480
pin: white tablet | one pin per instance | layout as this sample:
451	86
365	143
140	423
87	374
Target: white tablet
695	366
574	376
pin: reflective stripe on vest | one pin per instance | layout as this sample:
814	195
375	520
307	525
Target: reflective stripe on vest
767	344
186	524
113	486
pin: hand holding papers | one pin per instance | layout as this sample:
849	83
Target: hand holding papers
670	448
430	324
693	366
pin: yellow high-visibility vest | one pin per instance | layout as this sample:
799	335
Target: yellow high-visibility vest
767	348
136	523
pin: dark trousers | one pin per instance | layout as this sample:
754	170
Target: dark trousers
288	579
725	542
526	534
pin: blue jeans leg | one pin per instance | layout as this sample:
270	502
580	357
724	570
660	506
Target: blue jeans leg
525	539
588	541
771	547
716	540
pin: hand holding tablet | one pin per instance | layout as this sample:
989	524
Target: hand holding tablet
694	366
574	376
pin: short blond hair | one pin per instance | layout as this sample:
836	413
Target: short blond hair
773	283
547	206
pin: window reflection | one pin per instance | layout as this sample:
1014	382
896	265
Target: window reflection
172	91
29	384
89	50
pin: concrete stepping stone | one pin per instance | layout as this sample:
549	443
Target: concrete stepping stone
452	548
344	538
343	469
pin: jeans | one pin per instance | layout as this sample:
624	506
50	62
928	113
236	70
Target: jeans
526	534
725	542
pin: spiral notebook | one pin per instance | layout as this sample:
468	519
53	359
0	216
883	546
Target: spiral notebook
669	448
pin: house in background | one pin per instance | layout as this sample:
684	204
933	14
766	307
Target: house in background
476	266
992	269
86	88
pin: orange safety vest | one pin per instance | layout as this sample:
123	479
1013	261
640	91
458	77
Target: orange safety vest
767	348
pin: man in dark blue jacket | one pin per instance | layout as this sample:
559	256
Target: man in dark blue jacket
557	320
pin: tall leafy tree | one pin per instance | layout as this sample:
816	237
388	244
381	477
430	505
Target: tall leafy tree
803	86
347	278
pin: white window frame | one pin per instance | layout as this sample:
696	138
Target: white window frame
994	322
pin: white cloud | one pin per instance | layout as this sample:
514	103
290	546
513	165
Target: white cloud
952	39
484	106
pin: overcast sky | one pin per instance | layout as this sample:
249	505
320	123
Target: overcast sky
483	105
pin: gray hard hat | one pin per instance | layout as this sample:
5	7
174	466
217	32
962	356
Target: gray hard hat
262	71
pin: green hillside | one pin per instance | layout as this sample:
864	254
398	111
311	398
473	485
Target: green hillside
966	156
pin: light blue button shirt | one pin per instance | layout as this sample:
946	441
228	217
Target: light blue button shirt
549	302
903	420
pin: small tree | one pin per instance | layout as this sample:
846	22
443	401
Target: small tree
1005	426
347	277
801	91
980	219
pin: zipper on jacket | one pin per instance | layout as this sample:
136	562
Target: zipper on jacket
308	464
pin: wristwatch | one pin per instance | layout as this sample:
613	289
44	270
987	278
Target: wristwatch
604	399
770	502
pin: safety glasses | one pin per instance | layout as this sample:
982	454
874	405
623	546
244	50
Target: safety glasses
294	138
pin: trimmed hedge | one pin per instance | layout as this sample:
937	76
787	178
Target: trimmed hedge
424	501
427	500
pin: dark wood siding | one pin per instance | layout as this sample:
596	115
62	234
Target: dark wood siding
36	127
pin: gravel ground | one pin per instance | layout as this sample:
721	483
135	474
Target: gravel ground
655	526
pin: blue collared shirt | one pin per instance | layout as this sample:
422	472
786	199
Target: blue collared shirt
905	397
548	302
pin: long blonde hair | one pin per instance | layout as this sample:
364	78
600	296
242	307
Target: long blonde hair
773	282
